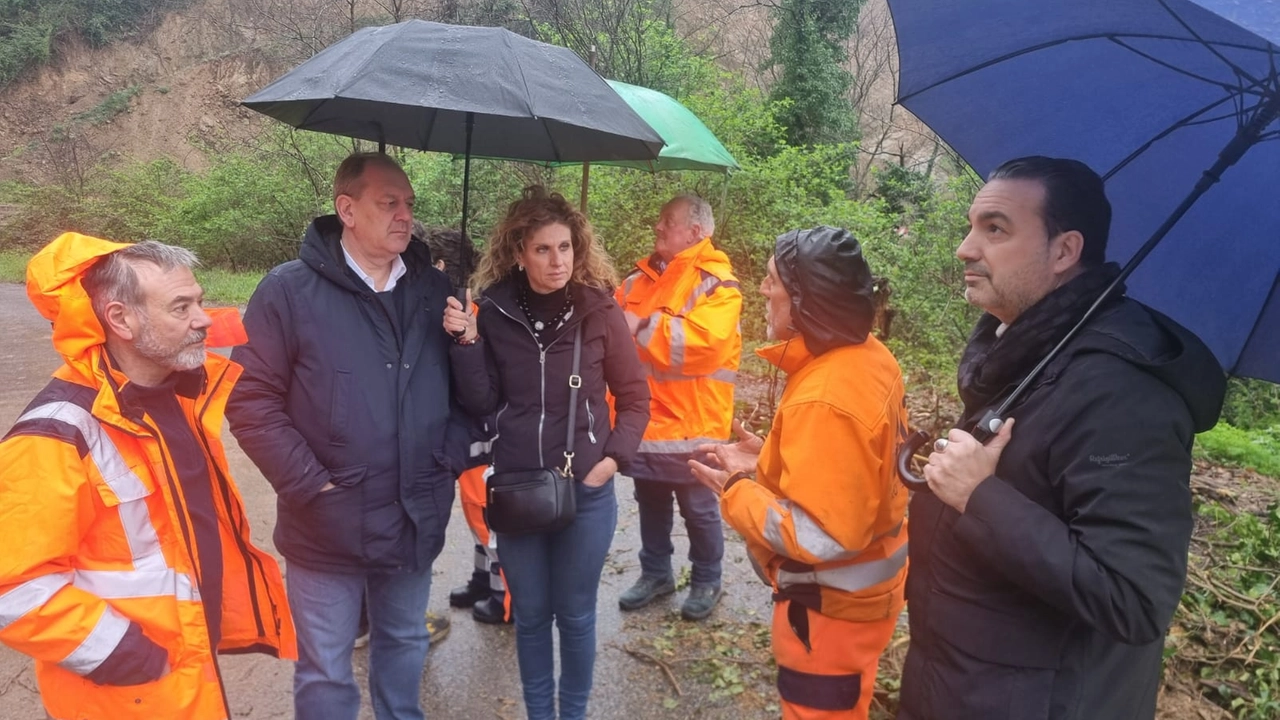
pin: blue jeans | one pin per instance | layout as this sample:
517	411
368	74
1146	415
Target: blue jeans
557	576
326	611
701	511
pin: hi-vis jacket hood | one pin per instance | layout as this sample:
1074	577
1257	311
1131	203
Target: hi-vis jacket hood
54	286
89	494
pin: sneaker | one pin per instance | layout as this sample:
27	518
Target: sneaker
490	610
437	627
701	600
645	590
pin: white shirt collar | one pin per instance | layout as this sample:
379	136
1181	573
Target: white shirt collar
398	270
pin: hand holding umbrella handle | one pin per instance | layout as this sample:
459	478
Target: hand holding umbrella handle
908	450
461	295
986	429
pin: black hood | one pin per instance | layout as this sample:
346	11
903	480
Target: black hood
830	285
322	251
1164	349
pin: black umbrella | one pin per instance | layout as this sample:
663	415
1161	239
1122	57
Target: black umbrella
464	90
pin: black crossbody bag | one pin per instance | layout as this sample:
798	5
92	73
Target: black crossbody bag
528	502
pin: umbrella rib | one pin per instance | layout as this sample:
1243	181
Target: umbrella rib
1062	41
1239	71
1175	68
1162	135
1257	321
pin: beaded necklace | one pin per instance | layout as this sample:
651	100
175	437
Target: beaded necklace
538	325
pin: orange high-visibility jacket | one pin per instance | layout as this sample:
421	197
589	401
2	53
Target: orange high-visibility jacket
824	520
93	520
690	345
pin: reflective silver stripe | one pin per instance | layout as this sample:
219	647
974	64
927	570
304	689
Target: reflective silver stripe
706	287
675	446
850	578
629	283
721	375
104	638
479	448
810	537
122	584
151	575
481	559
677	343
29	596
111	465
646	333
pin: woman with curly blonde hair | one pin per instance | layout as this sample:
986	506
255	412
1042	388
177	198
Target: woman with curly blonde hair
543	276
537	208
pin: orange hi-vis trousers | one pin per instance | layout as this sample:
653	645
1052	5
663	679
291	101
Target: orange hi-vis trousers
471	486
833	676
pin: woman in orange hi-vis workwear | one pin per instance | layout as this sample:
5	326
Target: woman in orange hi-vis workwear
128	563
818	500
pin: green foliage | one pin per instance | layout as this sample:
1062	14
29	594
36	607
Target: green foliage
22	46
1226	630
111	106
29	29
1251	404
1255	449
808	45
13	266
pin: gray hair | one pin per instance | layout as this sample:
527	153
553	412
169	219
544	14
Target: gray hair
113	278
699	212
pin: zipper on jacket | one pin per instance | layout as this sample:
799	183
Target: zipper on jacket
542	372
591	423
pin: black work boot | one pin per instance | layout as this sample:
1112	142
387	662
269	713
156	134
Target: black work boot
490	610
476	589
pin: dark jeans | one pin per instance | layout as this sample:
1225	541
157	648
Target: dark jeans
556	577
700	509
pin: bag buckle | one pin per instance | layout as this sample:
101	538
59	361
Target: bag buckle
568	465
575	381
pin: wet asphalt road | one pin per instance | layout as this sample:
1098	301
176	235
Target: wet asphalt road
472	673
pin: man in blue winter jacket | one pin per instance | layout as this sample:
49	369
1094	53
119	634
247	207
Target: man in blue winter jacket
344	405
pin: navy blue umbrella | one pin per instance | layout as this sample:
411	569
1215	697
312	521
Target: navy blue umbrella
1157	96
1174	102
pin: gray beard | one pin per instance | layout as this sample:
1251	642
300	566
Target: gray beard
189	357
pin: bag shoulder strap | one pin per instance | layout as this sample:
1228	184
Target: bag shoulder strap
575	382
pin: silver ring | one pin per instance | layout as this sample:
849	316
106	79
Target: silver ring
940	444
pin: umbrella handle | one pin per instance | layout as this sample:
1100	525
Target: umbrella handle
914	442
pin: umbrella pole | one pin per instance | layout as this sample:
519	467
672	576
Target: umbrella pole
586	179
1245	138
466	172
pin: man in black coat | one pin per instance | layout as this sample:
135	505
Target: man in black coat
1047	564
344	405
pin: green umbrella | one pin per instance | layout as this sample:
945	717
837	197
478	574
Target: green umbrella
690	145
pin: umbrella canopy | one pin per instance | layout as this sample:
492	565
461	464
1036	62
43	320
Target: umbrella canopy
689	144
1158	96
417	84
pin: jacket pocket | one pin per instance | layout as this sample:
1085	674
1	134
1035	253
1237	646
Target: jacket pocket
340	407
591	422
329	526
995	663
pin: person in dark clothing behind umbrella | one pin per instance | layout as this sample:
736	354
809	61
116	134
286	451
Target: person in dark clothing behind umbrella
542	275
1046	565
